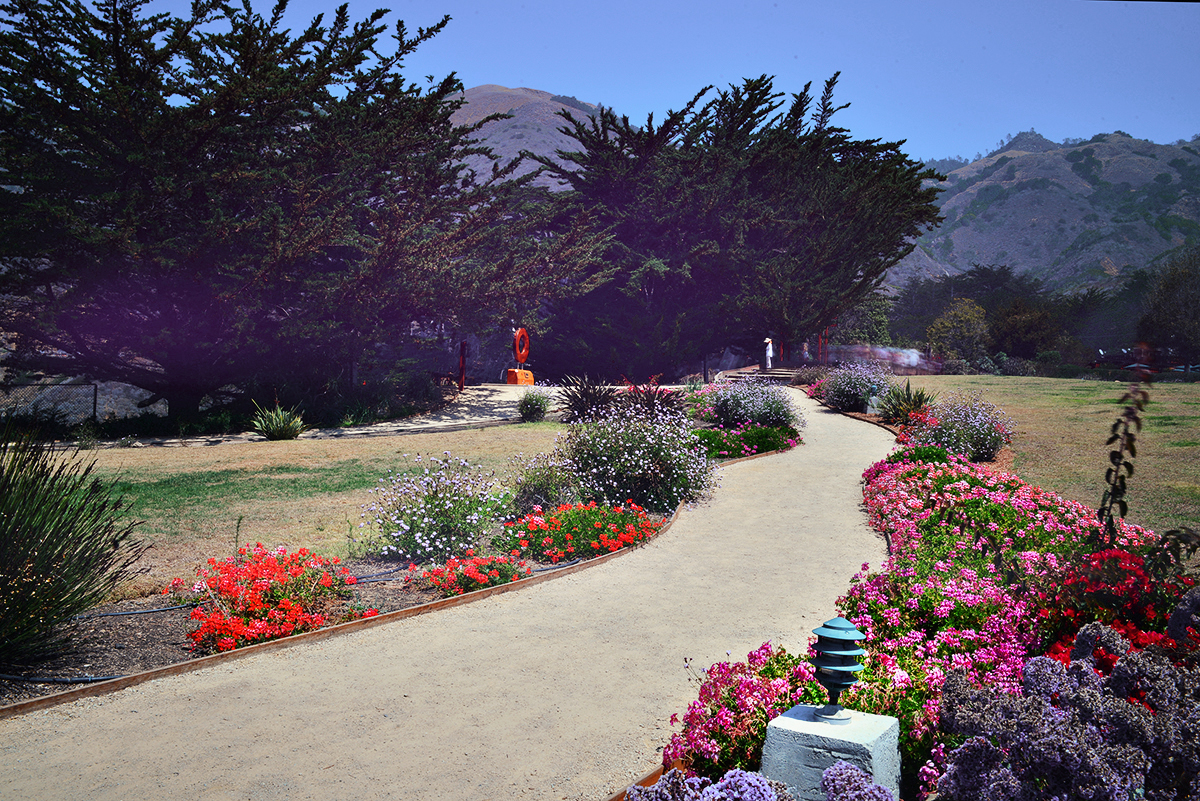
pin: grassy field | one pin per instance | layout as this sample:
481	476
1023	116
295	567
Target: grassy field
299	493
1062	425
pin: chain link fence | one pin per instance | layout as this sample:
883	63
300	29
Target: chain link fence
68	404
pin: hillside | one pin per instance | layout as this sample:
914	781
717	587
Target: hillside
1071	215
533	125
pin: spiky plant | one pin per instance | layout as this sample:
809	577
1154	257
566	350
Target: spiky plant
64	545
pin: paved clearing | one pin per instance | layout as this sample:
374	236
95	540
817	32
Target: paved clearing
559	691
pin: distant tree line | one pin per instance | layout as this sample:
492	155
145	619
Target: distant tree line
990	310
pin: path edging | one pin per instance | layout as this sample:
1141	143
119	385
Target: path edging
212	660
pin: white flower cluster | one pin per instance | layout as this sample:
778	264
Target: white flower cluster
653	460
436	511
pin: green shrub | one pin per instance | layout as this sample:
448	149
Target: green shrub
64	546
277	423
1049	358
585	399
654	461
930	454
1016	366
533	404
754	402
899	402
956	367
547	480
721	443
41	423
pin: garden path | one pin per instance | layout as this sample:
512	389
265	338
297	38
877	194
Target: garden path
562	690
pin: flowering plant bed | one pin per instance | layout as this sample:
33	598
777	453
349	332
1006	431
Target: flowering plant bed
985	572
746	440
459	576
262	595
576	531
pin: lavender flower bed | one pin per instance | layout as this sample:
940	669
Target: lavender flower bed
850	387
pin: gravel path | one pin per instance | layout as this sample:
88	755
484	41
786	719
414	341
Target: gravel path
559	691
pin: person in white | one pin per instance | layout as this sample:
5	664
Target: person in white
770	351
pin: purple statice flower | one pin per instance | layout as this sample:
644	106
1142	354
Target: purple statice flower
843	781
740	785
967	424
735	785
673	786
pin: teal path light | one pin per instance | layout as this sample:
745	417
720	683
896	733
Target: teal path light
836	663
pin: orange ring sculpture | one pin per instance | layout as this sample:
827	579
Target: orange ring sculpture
521	345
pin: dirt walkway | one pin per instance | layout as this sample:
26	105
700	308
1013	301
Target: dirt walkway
559	691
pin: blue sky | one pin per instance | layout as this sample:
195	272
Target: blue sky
952	78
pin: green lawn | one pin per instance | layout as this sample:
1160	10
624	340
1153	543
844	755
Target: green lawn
1062	425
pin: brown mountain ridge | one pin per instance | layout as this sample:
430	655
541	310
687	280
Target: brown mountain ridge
1074	215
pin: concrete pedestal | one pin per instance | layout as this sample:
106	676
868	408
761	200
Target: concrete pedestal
799	748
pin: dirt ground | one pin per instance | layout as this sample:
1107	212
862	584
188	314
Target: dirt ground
559	691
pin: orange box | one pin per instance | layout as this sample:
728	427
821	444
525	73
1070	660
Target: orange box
520	377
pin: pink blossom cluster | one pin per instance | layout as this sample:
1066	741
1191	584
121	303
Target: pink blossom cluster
969	550
725	727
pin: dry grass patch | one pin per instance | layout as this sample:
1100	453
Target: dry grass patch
299	493
1062	425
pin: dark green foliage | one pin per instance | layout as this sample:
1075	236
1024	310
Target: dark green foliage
1022	328
866	322
1172	311
215	206
721	443
584	398
923	300
732	219
1013	365
533	405
930	454
42	423
899	402
63	546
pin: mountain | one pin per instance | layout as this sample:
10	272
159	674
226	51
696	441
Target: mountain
1072	215
533	125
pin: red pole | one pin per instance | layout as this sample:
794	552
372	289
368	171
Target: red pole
462	365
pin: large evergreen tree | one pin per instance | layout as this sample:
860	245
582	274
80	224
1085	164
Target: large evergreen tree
734	219
1172	312
212	203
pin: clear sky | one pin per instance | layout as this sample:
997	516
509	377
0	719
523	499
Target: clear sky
950	77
